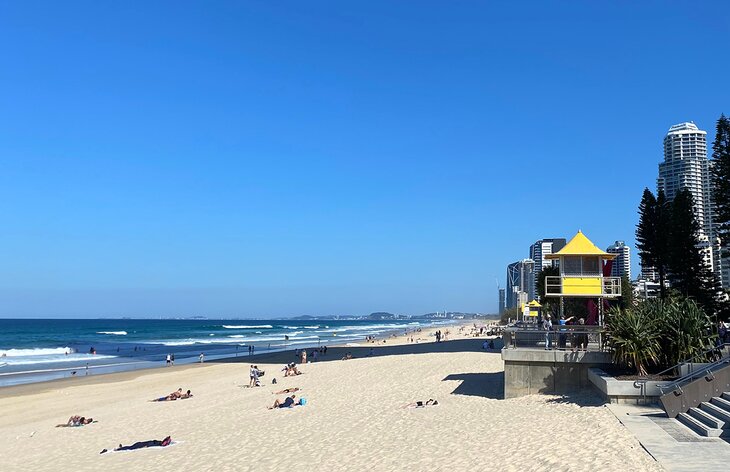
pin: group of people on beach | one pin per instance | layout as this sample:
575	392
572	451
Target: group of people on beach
290	369
253	375
313	356
578	340
78	420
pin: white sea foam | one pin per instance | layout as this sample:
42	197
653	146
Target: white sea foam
375	328
53	359
45	356
231	339
35	352
312	327
116	333
247	326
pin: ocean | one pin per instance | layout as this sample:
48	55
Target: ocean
35	350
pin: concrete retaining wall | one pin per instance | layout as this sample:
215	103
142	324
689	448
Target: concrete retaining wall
529	371
624	391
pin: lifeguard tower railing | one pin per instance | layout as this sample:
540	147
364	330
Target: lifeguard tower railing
561	337
576	286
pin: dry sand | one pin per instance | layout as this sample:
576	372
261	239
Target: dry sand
354	419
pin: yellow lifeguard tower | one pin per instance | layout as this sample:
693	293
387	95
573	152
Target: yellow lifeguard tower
581	273
530	310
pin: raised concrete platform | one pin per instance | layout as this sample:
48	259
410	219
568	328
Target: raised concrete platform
529	371
624	391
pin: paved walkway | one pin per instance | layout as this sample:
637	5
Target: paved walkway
674	446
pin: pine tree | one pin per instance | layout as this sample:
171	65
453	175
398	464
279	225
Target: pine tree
721	181
652	239
688	273
663	238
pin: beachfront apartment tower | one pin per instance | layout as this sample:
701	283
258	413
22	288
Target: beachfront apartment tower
538	252
686	166
622	263
520	282
502	301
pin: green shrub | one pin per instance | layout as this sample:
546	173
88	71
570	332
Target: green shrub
659	333
633	335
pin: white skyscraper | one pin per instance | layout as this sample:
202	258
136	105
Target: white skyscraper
622	263
686	166
538	251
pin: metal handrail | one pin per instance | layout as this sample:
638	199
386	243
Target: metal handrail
569	331
610	286
688	361
707	370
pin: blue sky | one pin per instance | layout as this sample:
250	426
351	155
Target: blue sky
285	158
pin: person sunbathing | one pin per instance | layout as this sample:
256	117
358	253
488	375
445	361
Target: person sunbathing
76	420
142	444
287	403
287	390
430	402
177	395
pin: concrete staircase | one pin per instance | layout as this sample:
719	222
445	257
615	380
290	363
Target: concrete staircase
711	419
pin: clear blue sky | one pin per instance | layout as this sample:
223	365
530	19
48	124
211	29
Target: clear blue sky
273	158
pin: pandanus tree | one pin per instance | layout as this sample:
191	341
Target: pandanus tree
633	336
659	333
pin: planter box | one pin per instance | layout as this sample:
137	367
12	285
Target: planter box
624	391
685	369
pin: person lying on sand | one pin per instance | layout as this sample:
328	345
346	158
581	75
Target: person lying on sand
142	444
430	402
177	395
287	390
76	420
287	403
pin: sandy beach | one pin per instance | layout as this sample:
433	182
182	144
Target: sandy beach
354	418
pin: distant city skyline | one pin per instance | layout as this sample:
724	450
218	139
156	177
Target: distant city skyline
269	159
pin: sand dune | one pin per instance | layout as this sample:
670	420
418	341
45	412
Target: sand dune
353	419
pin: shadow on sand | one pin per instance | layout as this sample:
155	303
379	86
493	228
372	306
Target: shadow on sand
480	384
579	398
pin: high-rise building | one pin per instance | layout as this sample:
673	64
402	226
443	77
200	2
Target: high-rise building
622	263
686	166
649	273
538	252
501	301
520	282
